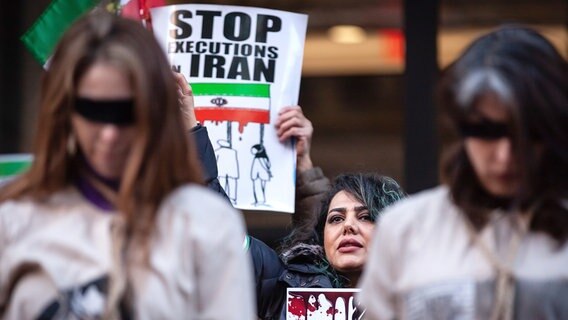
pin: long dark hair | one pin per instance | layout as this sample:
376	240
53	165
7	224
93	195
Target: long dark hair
526	73
305	244
160	160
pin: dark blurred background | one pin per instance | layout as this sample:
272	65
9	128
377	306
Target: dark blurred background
369	102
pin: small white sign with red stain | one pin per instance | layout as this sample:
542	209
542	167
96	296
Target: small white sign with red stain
322	303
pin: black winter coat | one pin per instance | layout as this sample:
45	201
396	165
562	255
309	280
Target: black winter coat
273	277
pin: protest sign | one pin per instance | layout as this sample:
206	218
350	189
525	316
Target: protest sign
243	64
322	304
13	164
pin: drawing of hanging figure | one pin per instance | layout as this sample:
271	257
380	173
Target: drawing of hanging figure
228	173
242	103
260	172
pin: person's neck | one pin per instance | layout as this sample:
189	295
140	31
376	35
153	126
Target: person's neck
113	184
353	278
98	190
492	202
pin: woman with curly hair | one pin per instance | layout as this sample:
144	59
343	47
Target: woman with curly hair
328	250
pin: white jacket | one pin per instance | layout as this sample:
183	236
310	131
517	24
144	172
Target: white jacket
63	251
424	265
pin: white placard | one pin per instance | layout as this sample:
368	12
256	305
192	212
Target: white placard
244	65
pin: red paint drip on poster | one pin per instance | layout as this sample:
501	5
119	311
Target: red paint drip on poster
296	306
301	300
242	116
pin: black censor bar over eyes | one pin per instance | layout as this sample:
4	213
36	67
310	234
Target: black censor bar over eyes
486	129
119	111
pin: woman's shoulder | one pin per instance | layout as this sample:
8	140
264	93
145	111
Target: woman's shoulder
19	214
195	202
429	204
14	212
26	204
194	194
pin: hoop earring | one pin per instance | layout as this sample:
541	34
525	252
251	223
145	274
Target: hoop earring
71	145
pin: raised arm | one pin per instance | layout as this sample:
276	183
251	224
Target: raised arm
311	184
205	151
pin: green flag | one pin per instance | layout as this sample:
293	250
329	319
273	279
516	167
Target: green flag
42	37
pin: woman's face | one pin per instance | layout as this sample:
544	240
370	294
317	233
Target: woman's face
493	159
347	233
106	146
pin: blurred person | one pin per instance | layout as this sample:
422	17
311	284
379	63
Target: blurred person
332	226
490	243
110	221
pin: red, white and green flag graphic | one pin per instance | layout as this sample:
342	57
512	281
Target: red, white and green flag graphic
42	37
44	34
241	102
139	9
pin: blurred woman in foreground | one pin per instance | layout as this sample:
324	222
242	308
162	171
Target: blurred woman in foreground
111	221
490	243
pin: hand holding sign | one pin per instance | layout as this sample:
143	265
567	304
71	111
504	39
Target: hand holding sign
186	104
291	122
